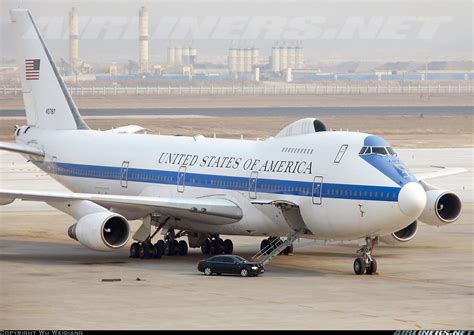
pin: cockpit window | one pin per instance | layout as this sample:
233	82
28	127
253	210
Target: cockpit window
391	151
379	151
384	151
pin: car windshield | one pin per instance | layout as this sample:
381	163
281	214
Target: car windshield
240	259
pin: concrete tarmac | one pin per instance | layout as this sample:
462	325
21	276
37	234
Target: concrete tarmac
50	281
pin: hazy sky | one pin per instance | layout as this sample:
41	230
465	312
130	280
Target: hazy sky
330	30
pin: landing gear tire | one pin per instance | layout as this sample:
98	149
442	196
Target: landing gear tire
228	247
182	248
264	246
206	247
244	273
144	251
159	249
175	248
288	250
134	250
216	247
372	268
208	271
359	266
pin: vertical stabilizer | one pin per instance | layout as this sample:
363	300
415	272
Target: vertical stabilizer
48	103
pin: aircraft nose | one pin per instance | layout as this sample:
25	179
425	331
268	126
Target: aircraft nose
412	199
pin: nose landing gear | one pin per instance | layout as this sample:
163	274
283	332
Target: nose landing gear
365	263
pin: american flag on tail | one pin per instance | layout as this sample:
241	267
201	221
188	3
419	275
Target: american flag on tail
32	69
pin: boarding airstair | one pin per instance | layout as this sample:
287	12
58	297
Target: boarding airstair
275	247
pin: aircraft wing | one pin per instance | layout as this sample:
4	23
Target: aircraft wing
441	172
210	210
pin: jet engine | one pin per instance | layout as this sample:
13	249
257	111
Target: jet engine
401	236
442	207
101	231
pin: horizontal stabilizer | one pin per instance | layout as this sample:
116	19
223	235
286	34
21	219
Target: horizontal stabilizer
21	148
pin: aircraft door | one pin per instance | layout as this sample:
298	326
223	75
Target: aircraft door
253	185
181	177
124	174
318	190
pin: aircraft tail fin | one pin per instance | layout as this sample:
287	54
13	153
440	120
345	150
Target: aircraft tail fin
48	103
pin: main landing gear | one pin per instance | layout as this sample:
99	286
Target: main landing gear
365	263
169	246
214	245
275	242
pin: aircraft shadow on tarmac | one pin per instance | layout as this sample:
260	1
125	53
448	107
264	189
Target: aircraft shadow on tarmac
57	254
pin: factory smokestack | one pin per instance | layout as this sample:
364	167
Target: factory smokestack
73	38
143	39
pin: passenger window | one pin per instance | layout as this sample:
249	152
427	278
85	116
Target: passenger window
341	153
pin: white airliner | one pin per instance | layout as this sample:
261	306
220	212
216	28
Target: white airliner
305	182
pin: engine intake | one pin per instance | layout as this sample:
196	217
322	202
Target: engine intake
402	235
442	207
102	231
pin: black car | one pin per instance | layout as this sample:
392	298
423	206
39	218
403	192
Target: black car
231	264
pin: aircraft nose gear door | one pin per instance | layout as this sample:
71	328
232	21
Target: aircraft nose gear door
124	174
318	190
253	185
181	175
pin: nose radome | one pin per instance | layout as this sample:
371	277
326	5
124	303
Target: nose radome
412	199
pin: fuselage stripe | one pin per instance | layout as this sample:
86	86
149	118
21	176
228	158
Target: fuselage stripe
263	185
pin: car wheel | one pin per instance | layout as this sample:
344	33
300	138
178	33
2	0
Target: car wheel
207	271
244	272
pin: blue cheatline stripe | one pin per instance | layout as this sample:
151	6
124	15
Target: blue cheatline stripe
271	186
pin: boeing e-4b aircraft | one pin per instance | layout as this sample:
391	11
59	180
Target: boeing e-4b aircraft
305	182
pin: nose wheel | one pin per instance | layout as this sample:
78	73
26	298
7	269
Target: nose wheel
365	263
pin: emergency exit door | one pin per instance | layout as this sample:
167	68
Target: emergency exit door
124	174
318	190
181	178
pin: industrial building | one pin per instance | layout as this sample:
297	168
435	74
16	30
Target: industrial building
143	25
286	55
243	60
178	56
74	38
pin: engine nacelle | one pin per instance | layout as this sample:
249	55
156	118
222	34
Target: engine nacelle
401	236
101	231
442	207
6	201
